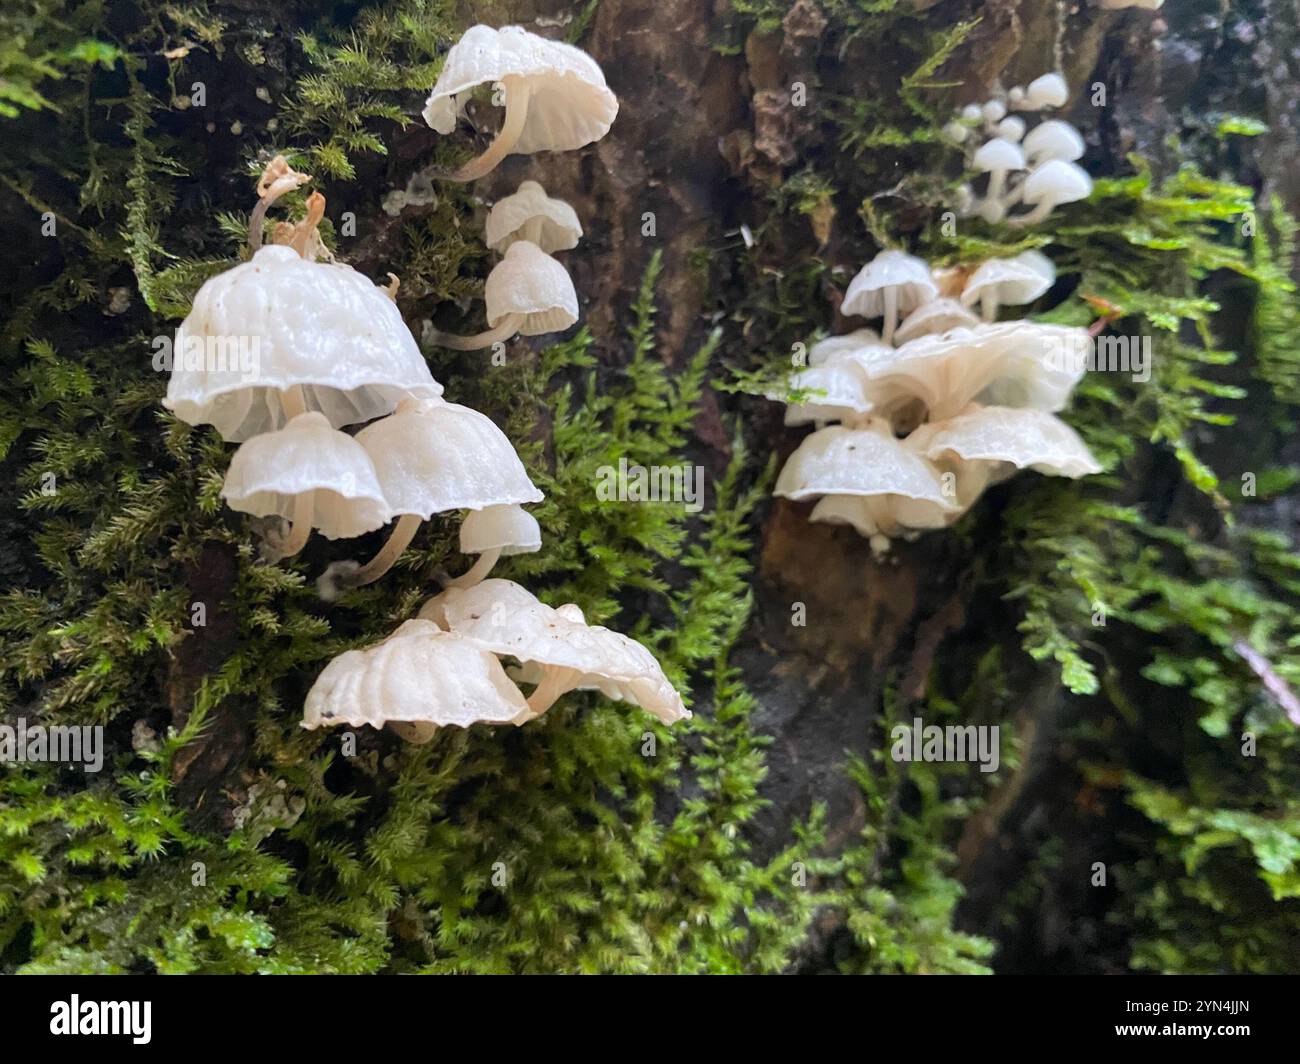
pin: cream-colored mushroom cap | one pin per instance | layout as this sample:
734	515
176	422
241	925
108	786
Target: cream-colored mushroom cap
907	275
530	214
1014	363
509	529
838	393
1024	438
531	283
307	456
433	456
418	674
1053	139
569	104
504	618
999	155
1057	181
937	316
320	326
860	342
1050	90
1005	281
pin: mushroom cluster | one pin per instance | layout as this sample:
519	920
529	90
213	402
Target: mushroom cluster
914	424
330	350
444	667
1033	167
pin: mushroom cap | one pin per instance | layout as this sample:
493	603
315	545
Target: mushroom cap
529	282
845	392
1024	438
882	514
269	471
866	461
889	269
432	456
1009	281
859	341
419	673
504	618
1053	139
1011	128
937	316
1013	363
569	104
318	325
1057	181
510	529
999	154
559	230
1050	90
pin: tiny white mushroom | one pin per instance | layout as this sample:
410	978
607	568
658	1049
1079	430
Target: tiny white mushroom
555	94
1050	90
495	532
993	112
1016	96
972	113
527	292
1053	139
997	158
530	214
862	340
1020	438
1052	184
841	393
891	282
1001	282
935	317
310	474
1011	128
956	132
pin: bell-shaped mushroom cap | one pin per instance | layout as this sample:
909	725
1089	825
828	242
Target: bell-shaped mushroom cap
432	456
863	461
1057	181
569	104
530	214
1050	90
529	282
1039	263
418	674
1053	139
1011	128
907	274
270	471
504	618
999	154
509	529
1014	363
1007	281
1024	438
317	325
839	392
937	316
859	342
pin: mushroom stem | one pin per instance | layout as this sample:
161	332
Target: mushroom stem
292	402
478	571
299	528
398	541
532	230
517	93
989	306
556	681
1040	211
996	180
507	328
891	314
414	731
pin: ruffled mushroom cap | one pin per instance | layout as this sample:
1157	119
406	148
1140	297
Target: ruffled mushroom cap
556	96
891	283
1052	184
1022	438
418	675
530	214
504	618
1005	281
1015	363
938	316
839	393
1053	139
318	326
308	463
505	529
858	343
433	456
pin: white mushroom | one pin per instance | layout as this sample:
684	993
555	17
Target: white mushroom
527	292
937	316
997	158
993	112
1053	139
1011	128
432	457
859	342
972	113
530	214
311	474
842	388
278	334
1004	282
1119	5
556	98
1052	184
420	677
556	648
1050	90
891	282
496	532
1006	439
